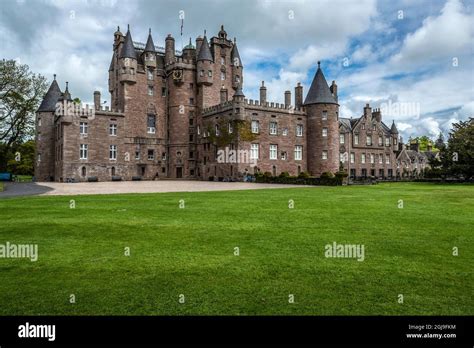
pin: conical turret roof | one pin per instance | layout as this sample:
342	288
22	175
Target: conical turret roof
319	91
51	97
150	46
205	51
234	55
128	50
394	129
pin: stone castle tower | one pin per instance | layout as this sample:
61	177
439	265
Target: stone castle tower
322	111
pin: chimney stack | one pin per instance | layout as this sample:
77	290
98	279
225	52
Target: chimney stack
298	95
97	100
287	99
333	90
263	94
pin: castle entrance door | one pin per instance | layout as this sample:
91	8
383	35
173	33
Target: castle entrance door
179	172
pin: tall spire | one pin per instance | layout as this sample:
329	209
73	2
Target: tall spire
51	97
128	51
205	51
319	91
150	46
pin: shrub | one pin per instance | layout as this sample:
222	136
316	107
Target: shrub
284	175
303	175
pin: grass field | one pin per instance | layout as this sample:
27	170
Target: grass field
190	251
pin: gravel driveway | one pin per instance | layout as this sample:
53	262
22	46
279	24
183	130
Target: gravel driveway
111	187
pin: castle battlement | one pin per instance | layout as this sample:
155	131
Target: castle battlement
272	106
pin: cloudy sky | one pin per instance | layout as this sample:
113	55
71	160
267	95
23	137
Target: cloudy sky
414	59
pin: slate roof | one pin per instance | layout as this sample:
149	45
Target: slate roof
150	46
238	92
51	97
205	51
235	54
394	129
128	50
319	91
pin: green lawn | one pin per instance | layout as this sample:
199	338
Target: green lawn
190	251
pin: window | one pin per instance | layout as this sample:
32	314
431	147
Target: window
254	151
363	126
362	158
341	138
163	156
201	73
285	131
387	141
325	115
150	90
356	139
237	78
191	121
380	159
298	153
149	74
387	159
352	157
209	73
217	129
191	154
113	129
374	127
151	155
83	151
163	91
198	130
222	75
231	128
39	121
83	171
255	127
83	128
137	155
299	130
380	140
325	132
191	101
273	128
394	141
151	124
324	155
273	152
369	140
372	158
283	156
112	171
39	157
223	60
342	157
113	152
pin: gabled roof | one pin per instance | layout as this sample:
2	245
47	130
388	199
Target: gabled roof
345	122
205	51
150	46
128	50
51	97
234	54
319	91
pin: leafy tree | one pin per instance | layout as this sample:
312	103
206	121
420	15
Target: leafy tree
21	161
21	92
461	149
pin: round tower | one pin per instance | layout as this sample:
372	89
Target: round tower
128	60
169	50
205	65
322	127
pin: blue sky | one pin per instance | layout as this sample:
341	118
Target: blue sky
406	53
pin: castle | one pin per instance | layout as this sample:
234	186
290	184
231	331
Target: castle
168	107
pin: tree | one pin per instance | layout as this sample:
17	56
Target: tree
461	149
21	162
21	92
